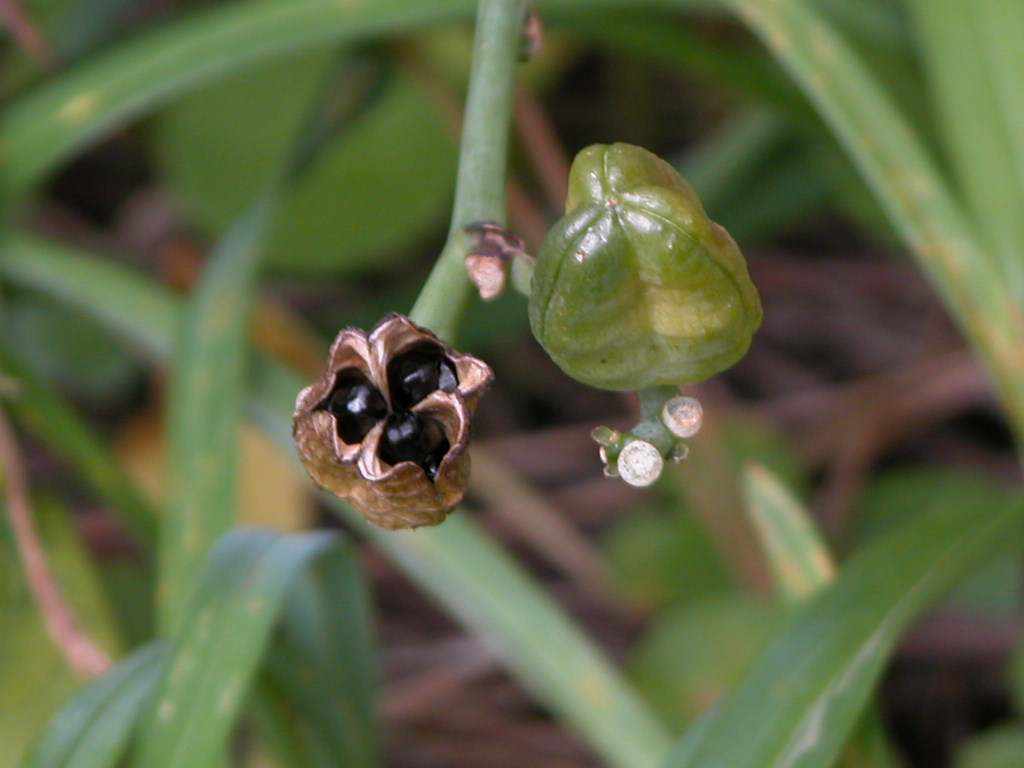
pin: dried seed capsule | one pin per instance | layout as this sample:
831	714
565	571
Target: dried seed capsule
387	425
636	287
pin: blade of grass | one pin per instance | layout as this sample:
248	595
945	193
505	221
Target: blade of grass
974	56
252	577
54	421
818	674
752	176
472	577
803	566
220	645
204	411
36	679
904	178
727	159
94	729
207	384
52	122
795	552
321	673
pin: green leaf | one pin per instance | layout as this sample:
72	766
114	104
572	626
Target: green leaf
374	190
817	676
220	645
897	166
94	729
466	572
253	580
658	557
50	123
998	748
205	410
798	557
52	420
82	362
320	677
897	496
691	657
975	62
34	678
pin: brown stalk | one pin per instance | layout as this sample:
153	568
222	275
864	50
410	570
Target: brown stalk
26	34
83	655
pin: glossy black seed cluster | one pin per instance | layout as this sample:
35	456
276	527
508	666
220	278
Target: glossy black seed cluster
357	406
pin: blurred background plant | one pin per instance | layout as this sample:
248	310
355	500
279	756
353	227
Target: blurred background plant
832	578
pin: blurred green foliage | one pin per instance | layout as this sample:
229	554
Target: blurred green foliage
899	117
371	194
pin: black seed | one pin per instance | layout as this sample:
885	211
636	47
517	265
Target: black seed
432	464
403	439
407	437
418	372
357	406
447	380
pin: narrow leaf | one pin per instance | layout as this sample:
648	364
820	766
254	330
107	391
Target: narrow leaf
94	729
797	556
35	678
974	56
912	191
321	672
45	413
220	645
205	408
817	676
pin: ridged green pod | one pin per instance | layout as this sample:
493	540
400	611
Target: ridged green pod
635	286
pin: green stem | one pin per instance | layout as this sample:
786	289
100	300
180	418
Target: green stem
480	188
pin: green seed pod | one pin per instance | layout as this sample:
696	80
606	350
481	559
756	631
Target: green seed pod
636	287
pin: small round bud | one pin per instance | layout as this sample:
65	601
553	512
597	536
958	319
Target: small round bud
640	463
683	416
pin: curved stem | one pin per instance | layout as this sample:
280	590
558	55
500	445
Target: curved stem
480	188
82	654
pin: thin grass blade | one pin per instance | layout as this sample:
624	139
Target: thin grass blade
796	554
321	671
974	55
220	646
818	675
94	729
54	421
903	176
204	413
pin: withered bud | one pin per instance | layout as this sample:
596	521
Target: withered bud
487	261
387	426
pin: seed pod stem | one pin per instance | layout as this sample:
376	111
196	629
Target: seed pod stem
480	187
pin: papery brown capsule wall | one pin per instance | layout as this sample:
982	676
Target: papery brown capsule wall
388	424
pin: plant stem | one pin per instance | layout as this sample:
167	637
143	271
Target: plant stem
82	654
483	156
